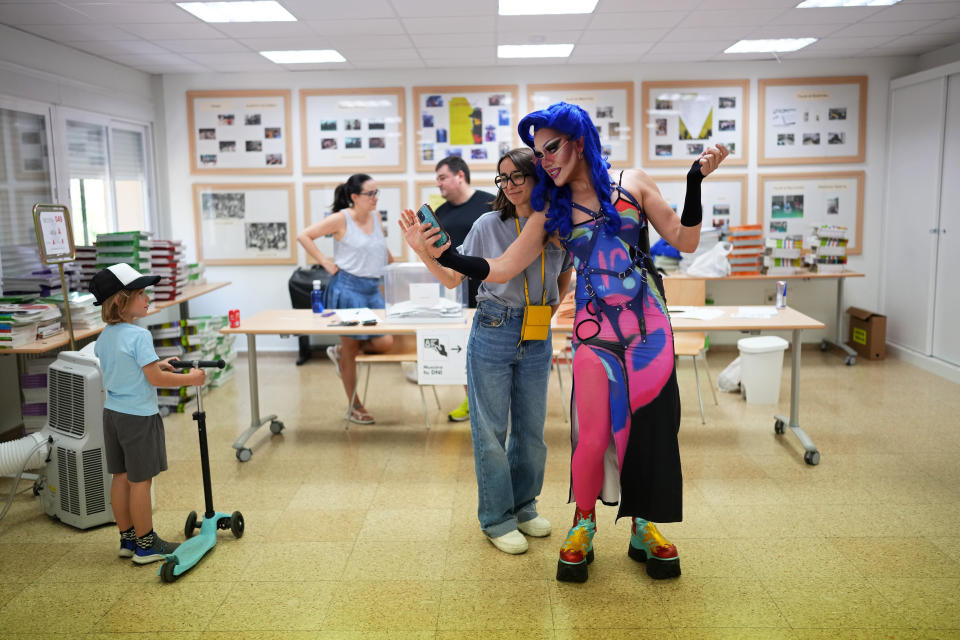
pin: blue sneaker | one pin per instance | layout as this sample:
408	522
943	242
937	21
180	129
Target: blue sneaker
127	548
157	551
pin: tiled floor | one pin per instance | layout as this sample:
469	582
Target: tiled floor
372	532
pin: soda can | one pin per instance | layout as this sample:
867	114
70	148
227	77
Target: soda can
781	294
234	317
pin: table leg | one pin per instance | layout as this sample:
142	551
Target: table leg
851	357
811	456
256	421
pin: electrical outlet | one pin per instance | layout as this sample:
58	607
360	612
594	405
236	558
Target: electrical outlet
769	297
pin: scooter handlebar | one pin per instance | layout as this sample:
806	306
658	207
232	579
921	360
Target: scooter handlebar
198	364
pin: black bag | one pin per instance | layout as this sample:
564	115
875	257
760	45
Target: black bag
301	284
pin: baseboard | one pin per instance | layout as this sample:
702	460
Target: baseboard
927	363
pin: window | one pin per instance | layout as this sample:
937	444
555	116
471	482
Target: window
89	195
24	172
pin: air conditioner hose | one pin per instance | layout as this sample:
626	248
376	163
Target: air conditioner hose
19	455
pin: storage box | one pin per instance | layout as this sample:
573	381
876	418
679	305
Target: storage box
868	333
413	294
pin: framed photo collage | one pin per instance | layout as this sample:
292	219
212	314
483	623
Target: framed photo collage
802	121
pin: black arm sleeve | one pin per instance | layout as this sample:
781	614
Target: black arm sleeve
692	207
470	266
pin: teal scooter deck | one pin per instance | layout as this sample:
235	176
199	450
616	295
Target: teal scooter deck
189	552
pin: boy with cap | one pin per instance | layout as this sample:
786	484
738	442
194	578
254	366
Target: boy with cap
132	429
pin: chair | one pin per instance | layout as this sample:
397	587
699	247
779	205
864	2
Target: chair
404	350
684	291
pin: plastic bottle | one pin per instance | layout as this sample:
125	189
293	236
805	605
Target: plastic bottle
316	297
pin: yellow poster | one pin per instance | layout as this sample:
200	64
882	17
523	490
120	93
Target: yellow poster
466	122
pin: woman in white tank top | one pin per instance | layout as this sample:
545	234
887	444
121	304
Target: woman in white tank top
360	258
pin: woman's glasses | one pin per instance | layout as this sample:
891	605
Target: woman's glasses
372	194
551	148
516	178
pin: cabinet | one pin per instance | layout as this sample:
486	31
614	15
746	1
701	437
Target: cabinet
920	296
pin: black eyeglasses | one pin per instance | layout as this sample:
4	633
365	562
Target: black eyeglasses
517	178
551	148
372	194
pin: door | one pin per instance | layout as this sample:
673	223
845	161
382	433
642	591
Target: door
912	214
946	337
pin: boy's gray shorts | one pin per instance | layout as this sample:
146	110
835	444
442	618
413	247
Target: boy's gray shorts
134	445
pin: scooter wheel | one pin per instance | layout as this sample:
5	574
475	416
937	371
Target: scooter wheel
166	571
236	524
191	525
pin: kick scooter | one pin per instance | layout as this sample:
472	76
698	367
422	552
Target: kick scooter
194	548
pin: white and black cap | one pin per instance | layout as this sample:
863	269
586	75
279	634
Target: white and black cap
117	278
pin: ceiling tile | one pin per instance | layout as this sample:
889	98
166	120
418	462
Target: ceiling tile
617	6
358	53
265	29
917	11
462	39
841	44
286	44
380	42
654	56
525	37
114	12
749	5
389	64
206	45
151	59
704	46
694	34
427	26
100	47
359	27
623	52
543	24
809	52
446	8
833	15
164	31
239	57
41	13
793	31
325	10
944	26
724	19
929	42
881	29
76	32
173	68
319	66
600	36
651	20
458	53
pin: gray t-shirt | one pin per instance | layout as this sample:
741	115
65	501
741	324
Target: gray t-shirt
489	238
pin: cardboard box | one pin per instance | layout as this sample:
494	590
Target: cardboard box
868	333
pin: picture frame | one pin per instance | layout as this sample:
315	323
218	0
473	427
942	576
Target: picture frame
245	224
54	233
812	120
834	198
477	123
681	119
243	132
342	129
610	105
724	197
317	201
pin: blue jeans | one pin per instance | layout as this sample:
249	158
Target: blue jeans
506	381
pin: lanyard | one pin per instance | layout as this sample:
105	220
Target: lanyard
543	276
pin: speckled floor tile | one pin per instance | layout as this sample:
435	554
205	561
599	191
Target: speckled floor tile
607	602
406	524
718	602
273	606
715	558
910	557
924	603
761	521
775	559
185	605
615	634
491	634
481	605
24	562
316	525
410	605
389	560
735	633
80	608
831	603
297	561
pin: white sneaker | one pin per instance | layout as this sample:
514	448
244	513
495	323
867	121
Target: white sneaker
410	371
538	527
511	542
334	354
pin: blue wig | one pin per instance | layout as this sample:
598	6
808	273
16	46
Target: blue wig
575	122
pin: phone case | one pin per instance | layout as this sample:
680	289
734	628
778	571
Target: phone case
426	214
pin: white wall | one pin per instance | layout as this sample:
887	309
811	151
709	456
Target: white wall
257	288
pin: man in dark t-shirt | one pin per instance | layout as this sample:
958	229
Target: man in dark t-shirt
463	206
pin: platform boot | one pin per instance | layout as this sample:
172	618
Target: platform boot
577	550
649	546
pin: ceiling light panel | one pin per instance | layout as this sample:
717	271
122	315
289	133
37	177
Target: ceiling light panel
246	11
304	56
780	45
534	50
545	7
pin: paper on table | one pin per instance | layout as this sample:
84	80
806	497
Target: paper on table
356	315
756	312
695	313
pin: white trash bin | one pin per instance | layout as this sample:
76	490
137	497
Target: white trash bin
761	363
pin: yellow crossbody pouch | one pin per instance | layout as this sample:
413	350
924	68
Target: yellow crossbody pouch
536	317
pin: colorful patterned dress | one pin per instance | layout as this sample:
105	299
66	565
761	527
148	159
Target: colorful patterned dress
627	404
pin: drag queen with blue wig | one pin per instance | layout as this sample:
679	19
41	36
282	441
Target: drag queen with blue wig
625	447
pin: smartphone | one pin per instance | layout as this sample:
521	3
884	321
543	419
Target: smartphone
426	214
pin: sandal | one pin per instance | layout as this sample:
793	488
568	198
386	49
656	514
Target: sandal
360	416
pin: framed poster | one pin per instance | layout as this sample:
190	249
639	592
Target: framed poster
426	191
813	120
796	203
318	201
245	223
682	119
724	199
478	124
610	105
54	233
243	132
353	128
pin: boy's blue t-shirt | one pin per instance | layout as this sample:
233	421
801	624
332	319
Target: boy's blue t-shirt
124	349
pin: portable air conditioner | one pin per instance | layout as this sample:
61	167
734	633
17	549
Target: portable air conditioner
77	486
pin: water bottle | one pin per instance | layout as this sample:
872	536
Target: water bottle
316	297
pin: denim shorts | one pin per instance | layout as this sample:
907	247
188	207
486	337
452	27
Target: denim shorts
347	291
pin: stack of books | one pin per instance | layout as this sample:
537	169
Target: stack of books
166	261
123	246
828	249
195	274
783	255
193	339
746	257
33	384
83	314
86	266
18	327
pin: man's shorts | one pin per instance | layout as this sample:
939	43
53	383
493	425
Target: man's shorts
134	445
